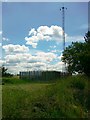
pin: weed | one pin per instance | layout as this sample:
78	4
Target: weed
62	98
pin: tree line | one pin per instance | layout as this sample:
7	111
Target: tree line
77	56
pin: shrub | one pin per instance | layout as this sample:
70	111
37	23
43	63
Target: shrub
78	83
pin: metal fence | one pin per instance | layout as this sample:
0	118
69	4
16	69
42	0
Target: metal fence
41	75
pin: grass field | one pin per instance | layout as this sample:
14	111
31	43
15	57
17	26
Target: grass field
64	98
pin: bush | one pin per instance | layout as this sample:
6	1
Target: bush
78	83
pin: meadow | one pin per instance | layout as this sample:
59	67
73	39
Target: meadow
62	98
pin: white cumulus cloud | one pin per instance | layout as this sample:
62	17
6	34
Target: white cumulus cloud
28	58
38	61
49	56
52	33
10	48
44	33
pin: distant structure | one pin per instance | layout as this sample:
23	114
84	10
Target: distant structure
30	74
40	75
63	24
63	32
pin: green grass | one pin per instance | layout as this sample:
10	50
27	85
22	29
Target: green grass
64	98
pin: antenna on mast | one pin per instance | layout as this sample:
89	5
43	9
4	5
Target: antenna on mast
63	30
63	24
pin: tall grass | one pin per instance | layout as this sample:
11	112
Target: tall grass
64	98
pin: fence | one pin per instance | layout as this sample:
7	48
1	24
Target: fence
41	75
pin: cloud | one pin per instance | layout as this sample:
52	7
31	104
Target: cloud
0	44
0	32
17	58
54	51
49	56
2	62
25	66
32	41
60	57
28	58
53	46
55	67
44	33
32	32
5	39
45	30
10	48
33	66
52	33
23	61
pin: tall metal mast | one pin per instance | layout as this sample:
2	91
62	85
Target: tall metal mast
63	24
63	31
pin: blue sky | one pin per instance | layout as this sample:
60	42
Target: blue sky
33	31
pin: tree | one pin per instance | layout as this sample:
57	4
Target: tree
85	56
87	37
3	72
77	56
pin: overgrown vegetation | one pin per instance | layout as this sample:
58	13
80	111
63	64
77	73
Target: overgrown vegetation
62	98
67	97
77	56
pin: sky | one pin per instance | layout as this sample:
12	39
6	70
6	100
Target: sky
32	33
44	0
